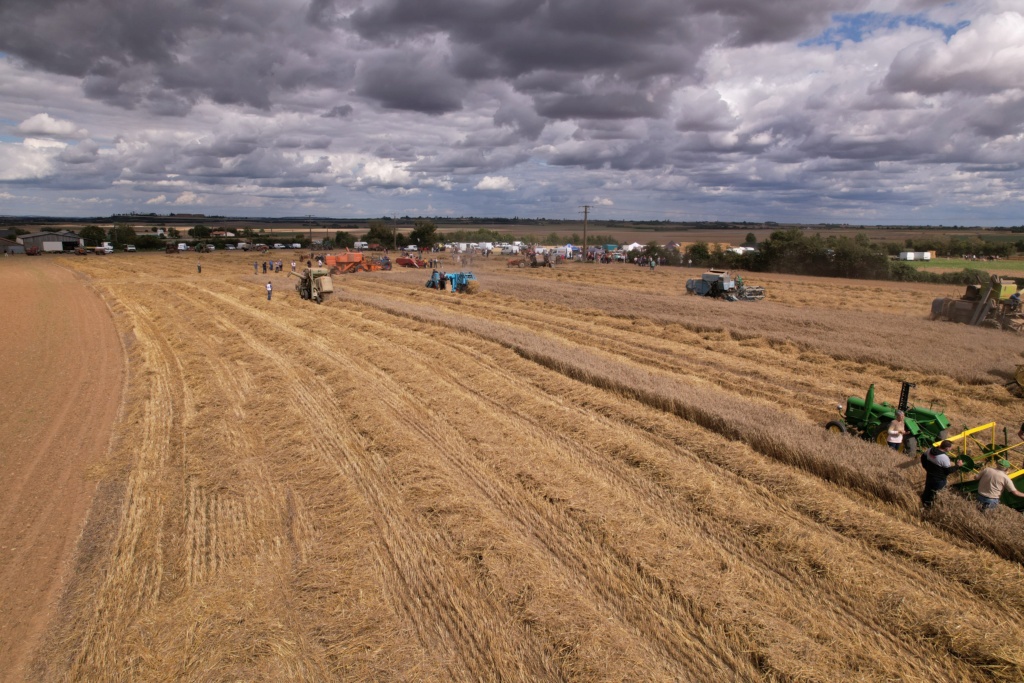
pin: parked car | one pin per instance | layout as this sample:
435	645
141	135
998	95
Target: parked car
130	247
295	245
229	247
278	245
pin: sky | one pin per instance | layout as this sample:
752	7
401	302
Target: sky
837	111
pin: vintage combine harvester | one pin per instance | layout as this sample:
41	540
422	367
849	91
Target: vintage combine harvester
457	282
869	420
532	259
354	262
721	285
996	305
314	284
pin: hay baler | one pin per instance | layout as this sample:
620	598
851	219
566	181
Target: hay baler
314	284
869	420
720	284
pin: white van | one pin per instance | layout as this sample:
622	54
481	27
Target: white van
361	246
182	246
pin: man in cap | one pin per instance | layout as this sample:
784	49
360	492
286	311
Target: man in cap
935	462
991	484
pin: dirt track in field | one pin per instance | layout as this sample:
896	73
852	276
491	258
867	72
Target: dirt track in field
572	475
61	379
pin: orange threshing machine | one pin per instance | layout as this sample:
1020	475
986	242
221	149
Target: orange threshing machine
353	262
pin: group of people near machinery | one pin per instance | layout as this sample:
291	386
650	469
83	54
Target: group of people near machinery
992	482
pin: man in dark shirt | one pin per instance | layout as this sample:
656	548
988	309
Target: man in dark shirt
936	464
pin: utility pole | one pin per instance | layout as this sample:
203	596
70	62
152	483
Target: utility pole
309	220
586	214
394	230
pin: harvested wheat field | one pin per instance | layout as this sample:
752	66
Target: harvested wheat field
573	474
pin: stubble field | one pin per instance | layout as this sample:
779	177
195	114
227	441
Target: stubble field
574	474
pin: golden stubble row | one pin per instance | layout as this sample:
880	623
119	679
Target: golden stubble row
379	489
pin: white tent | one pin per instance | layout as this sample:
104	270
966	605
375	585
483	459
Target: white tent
636	246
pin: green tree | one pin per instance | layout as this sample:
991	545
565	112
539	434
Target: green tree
699	253
653	250
384	235
93	235
173	233
424	235
121	234
200	232
751	239
344	240
149	242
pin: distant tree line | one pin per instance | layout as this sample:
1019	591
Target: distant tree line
794	251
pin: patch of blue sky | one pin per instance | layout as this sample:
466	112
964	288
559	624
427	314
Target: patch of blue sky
855	28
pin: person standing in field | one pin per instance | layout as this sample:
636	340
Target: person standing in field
270	289
936	464
264	267
255	267
199	267
897	428
991	484
293	266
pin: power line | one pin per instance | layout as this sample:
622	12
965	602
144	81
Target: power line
586	214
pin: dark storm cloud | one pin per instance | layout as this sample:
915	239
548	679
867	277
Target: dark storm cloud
706	112
162	55
84	152
519	114
339	112
695	96
410	81
574	58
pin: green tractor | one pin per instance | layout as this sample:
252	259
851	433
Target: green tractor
869	420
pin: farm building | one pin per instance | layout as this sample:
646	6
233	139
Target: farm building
10	246
51	241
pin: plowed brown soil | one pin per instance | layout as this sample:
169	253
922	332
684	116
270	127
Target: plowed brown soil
61	379
575	474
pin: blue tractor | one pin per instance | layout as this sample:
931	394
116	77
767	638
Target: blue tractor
457	282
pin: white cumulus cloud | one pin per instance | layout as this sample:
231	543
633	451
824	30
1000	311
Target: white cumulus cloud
499	182
44	124
187	198
31	159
